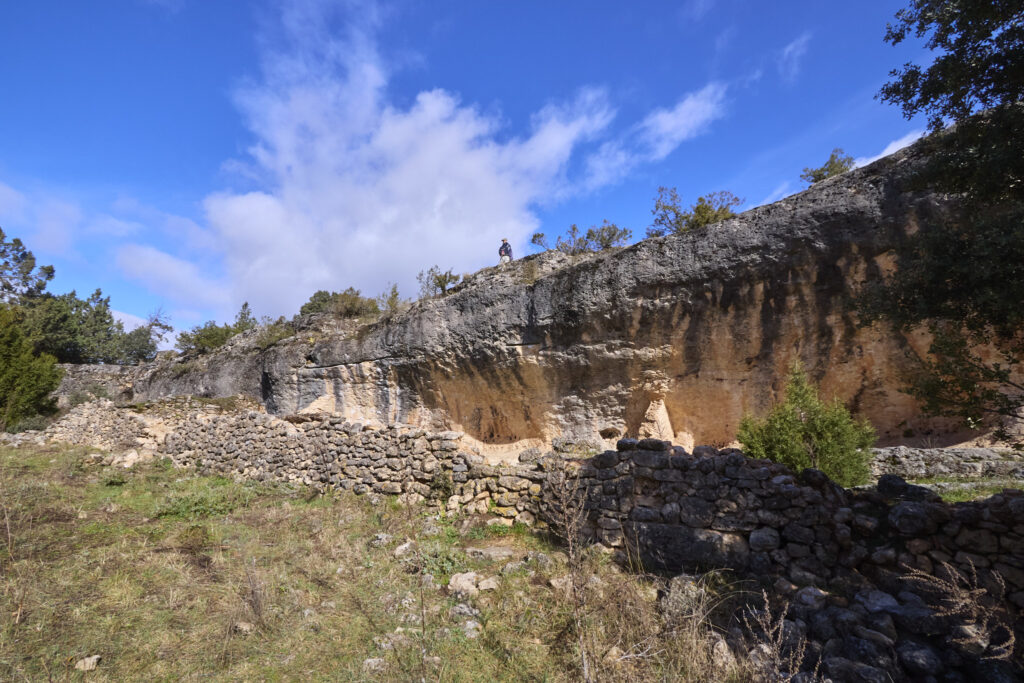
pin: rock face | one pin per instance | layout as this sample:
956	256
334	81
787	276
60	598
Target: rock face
674	337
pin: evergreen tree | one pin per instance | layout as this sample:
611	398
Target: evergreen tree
804	431
838	162
26	378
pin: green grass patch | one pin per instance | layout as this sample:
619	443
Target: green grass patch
954	489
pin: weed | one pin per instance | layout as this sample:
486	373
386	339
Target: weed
985	630
528	273
185	367
441	484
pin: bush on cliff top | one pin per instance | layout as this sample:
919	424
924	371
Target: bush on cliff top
804	431
209	336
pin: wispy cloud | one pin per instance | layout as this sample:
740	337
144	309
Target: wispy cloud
695	10
345	187
783	189
171	6
791	56
663	130
176	278
894	146
655	137
12	202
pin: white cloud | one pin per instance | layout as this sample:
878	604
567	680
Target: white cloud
357	191
894	146
105	224
129	321
56	226
173	277
789	60
184	232
12	203
695	10
45	222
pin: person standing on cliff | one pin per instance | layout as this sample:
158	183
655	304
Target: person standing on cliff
505	252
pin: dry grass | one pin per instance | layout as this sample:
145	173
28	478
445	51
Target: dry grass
168	576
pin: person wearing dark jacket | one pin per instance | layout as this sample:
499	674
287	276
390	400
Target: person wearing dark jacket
505	251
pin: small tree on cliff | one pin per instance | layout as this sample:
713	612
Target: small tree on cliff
435	281
670	217
804	431
838	162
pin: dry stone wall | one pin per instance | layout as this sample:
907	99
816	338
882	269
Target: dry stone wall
706	508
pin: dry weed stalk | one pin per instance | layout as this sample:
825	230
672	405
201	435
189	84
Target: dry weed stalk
7	519
777	652
255	594
963	598
566	503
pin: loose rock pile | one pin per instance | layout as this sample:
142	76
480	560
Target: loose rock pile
920	463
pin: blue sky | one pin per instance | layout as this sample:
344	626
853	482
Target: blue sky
195	154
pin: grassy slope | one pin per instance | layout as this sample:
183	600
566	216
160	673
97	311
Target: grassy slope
162	573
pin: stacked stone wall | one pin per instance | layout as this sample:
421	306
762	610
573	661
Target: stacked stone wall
678	509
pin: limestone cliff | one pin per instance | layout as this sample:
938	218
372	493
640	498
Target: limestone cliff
674	337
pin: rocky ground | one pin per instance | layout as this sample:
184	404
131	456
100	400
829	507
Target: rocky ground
144	572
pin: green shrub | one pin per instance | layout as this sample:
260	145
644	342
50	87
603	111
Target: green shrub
441	484
434	281
209	336
206	502
271	333
347	304
35	423
804	431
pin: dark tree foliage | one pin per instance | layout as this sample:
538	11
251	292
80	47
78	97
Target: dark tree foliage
540	240
838	162
78	330
20	277
607	235
209	336
671	218
26	378
980	60
71	329
962	277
